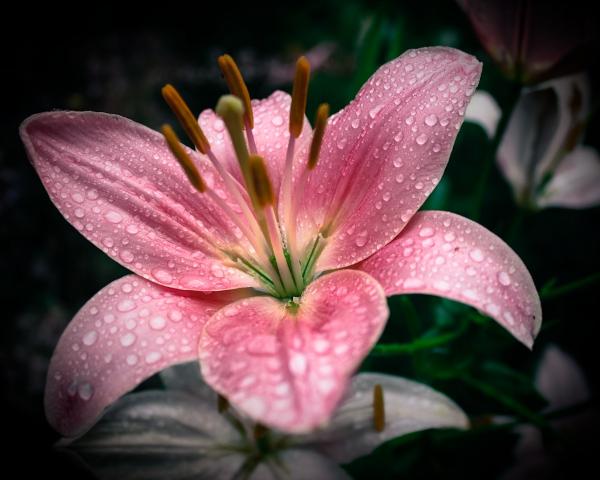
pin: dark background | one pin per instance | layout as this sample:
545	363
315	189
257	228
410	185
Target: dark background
98	57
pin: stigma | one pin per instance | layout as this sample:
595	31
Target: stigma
283	268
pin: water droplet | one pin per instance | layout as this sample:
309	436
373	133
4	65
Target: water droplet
504	278
298	364
277	120
162	275
175	315
158	322
85	391
426	232
128	339
413	283
263	345
409	120
126	306
419	186
153	357
132	359
476	255
127	287
399	178
374	111
218	125
77	197
216	271
109	318
90	338
132	229
431	120
321	345
509	318
361	239
441	285
355	123
79	213
342	143
421	139
108	242
436	147
113	217
126	256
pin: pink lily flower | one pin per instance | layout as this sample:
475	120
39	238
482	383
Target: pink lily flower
299	244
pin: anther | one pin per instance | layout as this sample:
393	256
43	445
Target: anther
299	96
260	181
186	118
378	409
319	132
237	86
183	158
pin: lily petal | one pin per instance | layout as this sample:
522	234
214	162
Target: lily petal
409	407
118	184
128	331
484	111
156	435
384	153
539	127
576	181
443	254
271	133
287	367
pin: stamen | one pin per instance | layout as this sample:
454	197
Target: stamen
299	96
182	157
319	132
238	87
222	404
261	182
378	409
186	118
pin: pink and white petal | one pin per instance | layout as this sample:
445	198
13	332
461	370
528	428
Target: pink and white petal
384	153
409	407
443	254
287	367
128	331
271	133
538	128
484	111
118	184
576	181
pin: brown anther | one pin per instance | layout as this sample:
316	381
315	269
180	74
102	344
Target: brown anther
299	96
185	117
318	134
237	86
260	181
378	409
183	158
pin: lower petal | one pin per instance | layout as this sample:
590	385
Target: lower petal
288	366
409	407
128	331
443	254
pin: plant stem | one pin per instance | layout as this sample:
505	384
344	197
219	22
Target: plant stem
552	292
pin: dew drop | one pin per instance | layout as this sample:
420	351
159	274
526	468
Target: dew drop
132	229
421	139
85	391
162	275
128	339
361	239
426	232
355	123
113	217
90	338
158	322
277	120
126	306
476	255
132	359
374	111
175	315
504	278
436	147
153	357
431	120
126	256
413	283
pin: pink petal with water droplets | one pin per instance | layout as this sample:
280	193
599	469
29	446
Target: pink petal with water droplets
128	331
119	185
271	124
443	254
385	152
289	370
576	181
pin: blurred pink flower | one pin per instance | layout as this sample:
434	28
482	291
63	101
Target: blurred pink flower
297	304
533	40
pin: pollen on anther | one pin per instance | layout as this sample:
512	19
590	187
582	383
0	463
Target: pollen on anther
378	408
318	134
237	86
299	96
261	182
183	158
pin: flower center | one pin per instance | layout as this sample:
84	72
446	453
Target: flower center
269	224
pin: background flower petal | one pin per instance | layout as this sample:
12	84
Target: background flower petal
299	464
384	153
157	435
271	133
288	369
484	111
128	331
120	186
576	181
443	254
409	407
